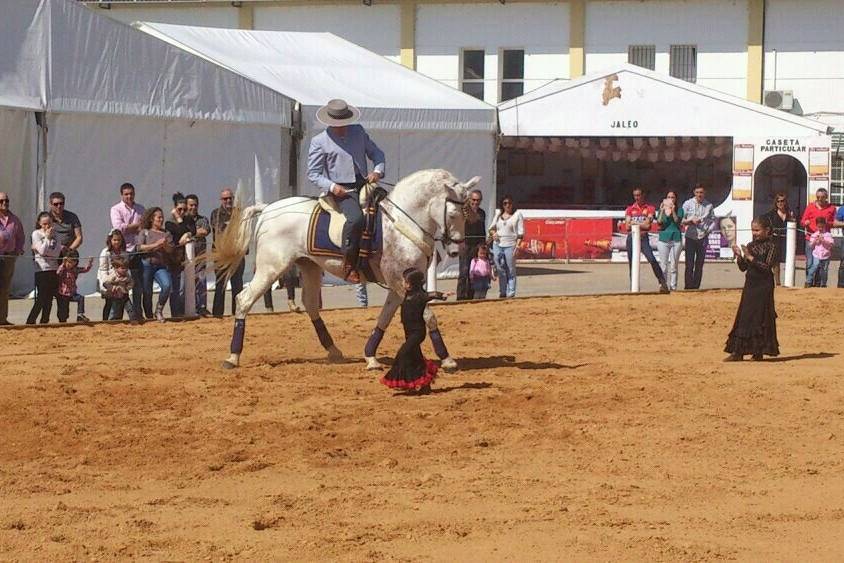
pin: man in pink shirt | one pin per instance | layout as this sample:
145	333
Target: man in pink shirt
11	246
126	216
820	208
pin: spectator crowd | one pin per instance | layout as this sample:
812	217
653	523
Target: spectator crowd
148	246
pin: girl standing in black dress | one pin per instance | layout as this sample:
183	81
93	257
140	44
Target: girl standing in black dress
755	328
411	370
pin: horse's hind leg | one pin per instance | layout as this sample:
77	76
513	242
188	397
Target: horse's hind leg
447	363
311	287
265	274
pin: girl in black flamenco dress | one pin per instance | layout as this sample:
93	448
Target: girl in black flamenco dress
755	328
411	370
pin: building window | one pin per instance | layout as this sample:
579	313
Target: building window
642	55
836	184
683	62
512	73
472	75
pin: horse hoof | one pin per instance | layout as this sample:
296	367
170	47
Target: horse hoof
335	355
227	365
373	365
449	364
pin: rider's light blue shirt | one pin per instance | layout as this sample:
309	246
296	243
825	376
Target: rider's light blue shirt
335	159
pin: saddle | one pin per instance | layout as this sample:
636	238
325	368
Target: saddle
325	228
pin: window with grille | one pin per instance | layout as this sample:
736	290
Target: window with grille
642	55
683	62
472	75
836	184
512	73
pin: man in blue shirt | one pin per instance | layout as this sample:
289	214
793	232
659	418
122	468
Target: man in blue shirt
337	164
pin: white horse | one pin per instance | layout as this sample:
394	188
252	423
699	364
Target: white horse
420	206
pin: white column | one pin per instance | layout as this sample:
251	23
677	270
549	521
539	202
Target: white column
432	271
790	252
190	280
636	250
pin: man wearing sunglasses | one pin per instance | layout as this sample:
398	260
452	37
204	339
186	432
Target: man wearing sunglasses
475	236
11	246
67	229
220	219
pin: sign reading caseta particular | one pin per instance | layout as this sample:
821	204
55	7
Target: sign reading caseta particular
782	145
629	124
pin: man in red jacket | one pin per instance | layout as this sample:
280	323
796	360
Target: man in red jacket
820	208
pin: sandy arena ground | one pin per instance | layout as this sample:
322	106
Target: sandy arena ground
560	439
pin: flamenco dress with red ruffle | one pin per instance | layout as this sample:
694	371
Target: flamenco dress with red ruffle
755	328
411	370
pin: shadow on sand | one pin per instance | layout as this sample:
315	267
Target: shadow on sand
807	356
489	362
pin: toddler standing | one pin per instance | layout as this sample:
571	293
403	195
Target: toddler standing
821	242
481	273
67	273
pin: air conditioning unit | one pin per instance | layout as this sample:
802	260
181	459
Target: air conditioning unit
779	99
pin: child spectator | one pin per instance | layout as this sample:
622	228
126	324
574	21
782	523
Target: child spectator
821	243
67	273
115	246
46	250
411	370
117	285
481	273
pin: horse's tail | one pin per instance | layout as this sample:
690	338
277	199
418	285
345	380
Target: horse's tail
231	246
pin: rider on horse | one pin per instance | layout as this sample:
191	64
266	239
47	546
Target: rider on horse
337	165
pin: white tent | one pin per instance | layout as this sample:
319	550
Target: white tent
87	103
417	121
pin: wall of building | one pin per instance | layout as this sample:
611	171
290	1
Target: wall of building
375	27
804	52
541	29
207	16
717	27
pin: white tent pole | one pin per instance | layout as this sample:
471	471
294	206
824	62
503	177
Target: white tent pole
790	252
190	280
635	250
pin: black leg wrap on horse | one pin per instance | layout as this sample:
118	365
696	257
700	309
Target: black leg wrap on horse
238	335
322	332
439	345
373	342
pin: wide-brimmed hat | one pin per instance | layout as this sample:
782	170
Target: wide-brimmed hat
337	113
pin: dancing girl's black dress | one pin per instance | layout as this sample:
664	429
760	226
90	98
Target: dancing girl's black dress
411	370
755	328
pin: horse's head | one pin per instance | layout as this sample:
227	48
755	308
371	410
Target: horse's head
455	212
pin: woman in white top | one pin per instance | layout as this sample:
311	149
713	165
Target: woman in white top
115	246
507	230
46	250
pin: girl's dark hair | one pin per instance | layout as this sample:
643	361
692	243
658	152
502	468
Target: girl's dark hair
763	222
178	198
146	221
119	233
414	278
40	216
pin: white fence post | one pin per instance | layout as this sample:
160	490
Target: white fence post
432	271
635	251
790	252
190	280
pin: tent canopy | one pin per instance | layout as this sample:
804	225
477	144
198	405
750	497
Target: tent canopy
313	68
629	100
58	56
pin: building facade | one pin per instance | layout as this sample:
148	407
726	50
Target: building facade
499	49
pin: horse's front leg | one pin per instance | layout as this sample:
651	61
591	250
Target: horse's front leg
388	311
447	363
